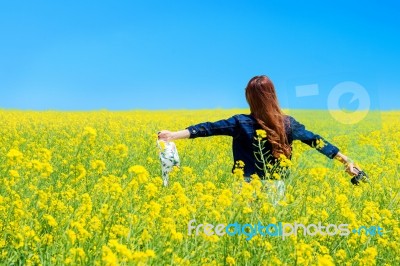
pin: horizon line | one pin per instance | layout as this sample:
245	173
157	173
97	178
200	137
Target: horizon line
182	109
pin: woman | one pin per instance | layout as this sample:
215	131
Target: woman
281	130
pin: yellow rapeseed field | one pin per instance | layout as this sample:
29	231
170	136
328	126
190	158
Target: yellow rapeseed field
85	188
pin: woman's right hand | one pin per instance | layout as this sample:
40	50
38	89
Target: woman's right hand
352	169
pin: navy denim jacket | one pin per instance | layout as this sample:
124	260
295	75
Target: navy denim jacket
243	128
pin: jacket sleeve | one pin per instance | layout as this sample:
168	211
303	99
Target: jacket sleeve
299	132
228	127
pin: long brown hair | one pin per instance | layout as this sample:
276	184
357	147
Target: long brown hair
264	107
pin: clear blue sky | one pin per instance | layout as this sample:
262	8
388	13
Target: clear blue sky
85	55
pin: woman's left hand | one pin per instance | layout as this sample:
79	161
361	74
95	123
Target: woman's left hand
165	135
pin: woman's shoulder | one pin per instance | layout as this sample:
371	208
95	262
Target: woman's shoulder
245	118
289	120
248	118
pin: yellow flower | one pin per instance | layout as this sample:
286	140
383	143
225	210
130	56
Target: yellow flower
95	224
89	131
276	176
123	251
284	161
98	165
121	150
162	145
151	190
77	252
14	156
247	210
150	253
141	257
246	254
341	255
140	172
240	164
370	253
13	153
50	220
178	236
71	235
230	260
108	257
120	230
2	243
325	260
145	237
47	239
304	253
239	173
14	173
261	134
18	241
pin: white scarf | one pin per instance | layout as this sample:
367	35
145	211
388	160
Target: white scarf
169	158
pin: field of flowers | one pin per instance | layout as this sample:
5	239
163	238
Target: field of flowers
80	188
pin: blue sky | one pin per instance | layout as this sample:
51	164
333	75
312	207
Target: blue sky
122	55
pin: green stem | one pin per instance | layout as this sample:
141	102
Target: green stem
262	158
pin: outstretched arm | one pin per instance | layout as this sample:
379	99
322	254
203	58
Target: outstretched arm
170	135
300	133
227	127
